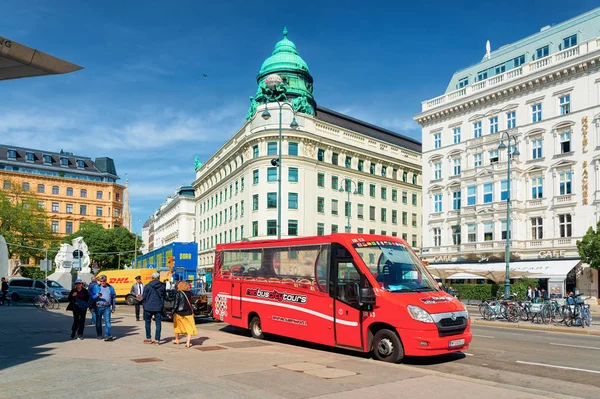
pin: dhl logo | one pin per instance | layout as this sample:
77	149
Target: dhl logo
120	280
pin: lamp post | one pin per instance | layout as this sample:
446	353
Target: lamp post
515	152
273	82
348	189
135	246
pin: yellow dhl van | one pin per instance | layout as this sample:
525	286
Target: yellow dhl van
122	280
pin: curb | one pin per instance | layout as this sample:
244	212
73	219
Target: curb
567	330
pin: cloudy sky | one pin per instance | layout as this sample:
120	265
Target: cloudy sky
142	98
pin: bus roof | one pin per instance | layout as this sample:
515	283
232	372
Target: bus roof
343	238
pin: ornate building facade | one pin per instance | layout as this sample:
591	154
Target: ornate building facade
337	172
544	91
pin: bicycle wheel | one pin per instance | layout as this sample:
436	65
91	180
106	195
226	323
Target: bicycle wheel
546	315
524	314
486	313
482	307
37	302
512	314
53	302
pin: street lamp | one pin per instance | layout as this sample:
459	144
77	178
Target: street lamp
514	152
272	95
348	189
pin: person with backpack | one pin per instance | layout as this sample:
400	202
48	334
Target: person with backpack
153	301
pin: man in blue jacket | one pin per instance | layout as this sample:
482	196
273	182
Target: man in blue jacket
153	300
103	304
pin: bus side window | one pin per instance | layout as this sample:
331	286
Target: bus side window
348	283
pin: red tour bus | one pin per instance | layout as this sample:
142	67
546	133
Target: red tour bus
355	291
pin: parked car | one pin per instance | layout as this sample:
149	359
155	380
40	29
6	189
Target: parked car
199	299
26	288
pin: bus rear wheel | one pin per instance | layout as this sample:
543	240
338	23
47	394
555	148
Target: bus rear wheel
255	328
387	346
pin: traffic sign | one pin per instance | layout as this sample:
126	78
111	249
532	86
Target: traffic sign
77	254
46	265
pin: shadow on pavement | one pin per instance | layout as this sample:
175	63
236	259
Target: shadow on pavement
28	333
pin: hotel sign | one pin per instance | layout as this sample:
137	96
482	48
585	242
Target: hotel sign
5	43
584	177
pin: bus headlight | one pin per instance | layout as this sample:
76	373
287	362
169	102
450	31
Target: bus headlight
419	314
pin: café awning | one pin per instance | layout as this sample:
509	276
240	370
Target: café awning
551	269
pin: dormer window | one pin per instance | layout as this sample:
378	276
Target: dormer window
30	156
80	164
463	82
542	52
64	161
12	154
570	41
47	159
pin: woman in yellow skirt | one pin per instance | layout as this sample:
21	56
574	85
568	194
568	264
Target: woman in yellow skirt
183	314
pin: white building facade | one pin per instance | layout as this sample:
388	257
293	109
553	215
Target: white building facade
545	91
333	167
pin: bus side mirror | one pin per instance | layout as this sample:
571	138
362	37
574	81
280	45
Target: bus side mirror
367	297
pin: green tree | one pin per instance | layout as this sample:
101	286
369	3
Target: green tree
105	245
23	222
589	247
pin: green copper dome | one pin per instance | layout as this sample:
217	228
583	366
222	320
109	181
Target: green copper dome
284	58
297	83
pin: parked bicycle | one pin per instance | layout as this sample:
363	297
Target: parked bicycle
46	301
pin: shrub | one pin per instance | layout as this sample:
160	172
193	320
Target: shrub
474	291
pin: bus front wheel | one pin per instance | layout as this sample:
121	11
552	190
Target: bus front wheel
387	346
255	328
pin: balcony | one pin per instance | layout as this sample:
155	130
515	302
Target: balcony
514	74
536	203
564	199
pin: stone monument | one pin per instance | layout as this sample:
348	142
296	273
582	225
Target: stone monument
3	258
75	256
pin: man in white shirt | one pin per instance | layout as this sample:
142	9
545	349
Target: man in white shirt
137	290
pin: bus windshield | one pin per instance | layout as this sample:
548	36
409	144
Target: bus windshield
395	267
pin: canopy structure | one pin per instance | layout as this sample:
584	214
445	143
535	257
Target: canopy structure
19	61
550	269
443	273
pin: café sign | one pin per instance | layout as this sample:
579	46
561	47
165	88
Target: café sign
552	254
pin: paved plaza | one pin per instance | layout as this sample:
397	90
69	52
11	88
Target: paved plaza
38	359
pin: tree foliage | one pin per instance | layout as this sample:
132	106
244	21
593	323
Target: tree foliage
589	247
23	222
106	244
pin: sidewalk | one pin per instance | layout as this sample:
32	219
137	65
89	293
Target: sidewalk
37	359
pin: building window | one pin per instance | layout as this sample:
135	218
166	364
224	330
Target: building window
499	69
471	195
29	156
6	185
437	140
271	148
456	135
413	242
488	193
536	145
494	125
360	211
69	208
404	197
565	142
271	227
372	168
255	176
292	200
255	202
361	165
463	82
371	213
456	163
321	155
242	184
511	120
80	164
488	231
405	218
360	188
518	61
292	227
69	228
334	158
41	188
55	207
542	52
503	228
334	182
69	191
55	226
405	176
271	200
494	156
394	195
437	203
320	229
271	174
536	188
98	211
414	199
537	229
293	149
414	178
414	220
334	207
98	194
564	224
334	228
472	232
83	209
320	204
292	176
404	236
482	75
12	154
456	235
47	159
437	170
372	190
384	171
384	193
25	186
476	129
348	162
565	183
570	41
565	104
383	215
321	179
477	160
64	162
536	112
503	190
437	237
41	205
255	151
255	229
394	216
456	200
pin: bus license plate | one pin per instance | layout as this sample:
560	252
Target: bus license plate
457	342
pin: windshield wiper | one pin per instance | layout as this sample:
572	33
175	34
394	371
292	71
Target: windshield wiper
403	290
424	289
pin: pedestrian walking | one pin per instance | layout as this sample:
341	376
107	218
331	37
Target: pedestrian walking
168	284
183	315
79	302
543	294
104	304
4	288
529	293
93	283
153	300
137	290
536	295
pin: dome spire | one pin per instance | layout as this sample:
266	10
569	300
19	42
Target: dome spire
285	32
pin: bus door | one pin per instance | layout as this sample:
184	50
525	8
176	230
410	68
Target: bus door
346	283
